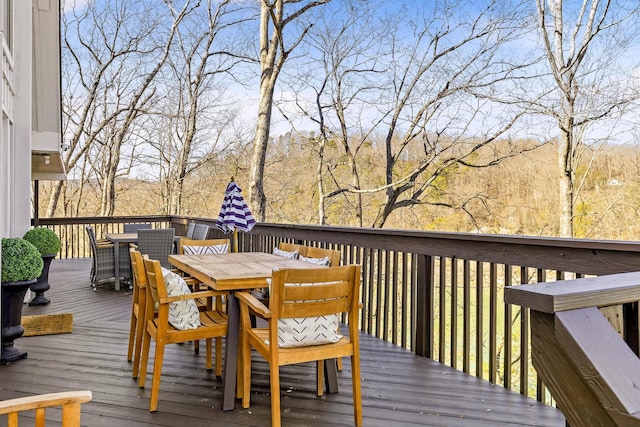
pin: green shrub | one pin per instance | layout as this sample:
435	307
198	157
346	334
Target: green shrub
20	260
44	239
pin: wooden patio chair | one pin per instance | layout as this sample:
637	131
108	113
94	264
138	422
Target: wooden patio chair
138	307
210	324
314	295
157	244
208	246
103	261
313	255
70	401
307	254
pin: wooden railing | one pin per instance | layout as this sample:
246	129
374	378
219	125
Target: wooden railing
591	372
438	294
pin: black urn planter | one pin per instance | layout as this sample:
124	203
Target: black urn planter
42	283
12	300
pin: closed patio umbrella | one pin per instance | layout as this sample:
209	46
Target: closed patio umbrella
234	213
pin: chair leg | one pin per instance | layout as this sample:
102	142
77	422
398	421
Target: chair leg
157	373
244	379
210	355
144	360
320	377
218	357
275	394
138	347
357	390
339	364
132	334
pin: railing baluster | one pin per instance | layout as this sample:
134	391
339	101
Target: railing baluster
453	318
466	324
508	332
400	279
479	320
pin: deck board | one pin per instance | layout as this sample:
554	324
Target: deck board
398	387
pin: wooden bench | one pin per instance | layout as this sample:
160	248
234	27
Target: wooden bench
69	400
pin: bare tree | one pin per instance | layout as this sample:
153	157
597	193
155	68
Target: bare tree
114	53
198	108
273	54
583	44
436	89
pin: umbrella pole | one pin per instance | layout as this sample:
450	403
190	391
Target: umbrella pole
235	240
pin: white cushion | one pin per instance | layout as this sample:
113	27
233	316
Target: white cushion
305	331
286	254
319	261
213	249
182	314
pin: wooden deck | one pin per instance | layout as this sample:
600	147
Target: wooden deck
399	388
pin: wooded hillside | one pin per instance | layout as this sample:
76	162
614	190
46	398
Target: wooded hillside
518	196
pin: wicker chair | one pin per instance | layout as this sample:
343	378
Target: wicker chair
157	243
133	227
190	230
201	232
103	267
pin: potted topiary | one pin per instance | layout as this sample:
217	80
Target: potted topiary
21	264
48	244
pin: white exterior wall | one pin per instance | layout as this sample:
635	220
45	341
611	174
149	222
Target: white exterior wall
15	132
15	118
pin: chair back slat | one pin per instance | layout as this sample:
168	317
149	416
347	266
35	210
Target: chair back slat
333	254
290	247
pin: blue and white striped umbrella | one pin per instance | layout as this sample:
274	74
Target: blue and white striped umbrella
234	213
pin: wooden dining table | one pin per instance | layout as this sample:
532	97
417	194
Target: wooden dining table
234	272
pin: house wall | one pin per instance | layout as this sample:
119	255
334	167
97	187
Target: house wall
15	118
15	127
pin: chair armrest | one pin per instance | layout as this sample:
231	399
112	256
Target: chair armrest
254	304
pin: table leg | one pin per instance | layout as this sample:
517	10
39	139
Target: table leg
231	354
331	375
116	263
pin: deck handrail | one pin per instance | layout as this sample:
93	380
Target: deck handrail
438	294
591	372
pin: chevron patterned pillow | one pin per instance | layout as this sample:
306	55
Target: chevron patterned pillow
213	249
305	331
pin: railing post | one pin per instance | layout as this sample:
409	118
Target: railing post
630	324
424	306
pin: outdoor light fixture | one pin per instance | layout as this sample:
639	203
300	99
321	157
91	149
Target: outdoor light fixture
47	159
